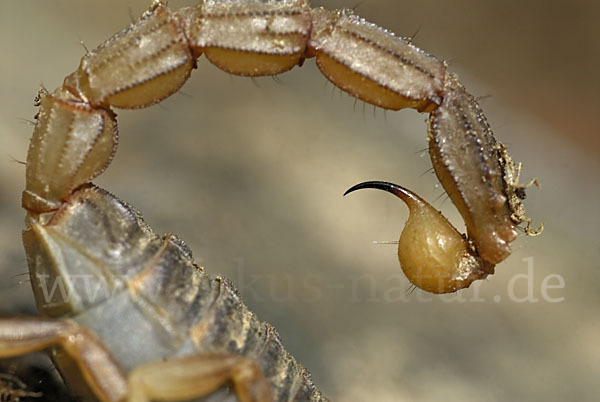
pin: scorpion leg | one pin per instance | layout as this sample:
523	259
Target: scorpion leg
196	376
79	353
12	389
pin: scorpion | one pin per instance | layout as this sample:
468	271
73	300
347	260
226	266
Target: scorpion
167	329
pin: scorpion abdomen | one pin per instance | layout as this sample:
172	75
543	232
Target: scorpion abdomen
144	296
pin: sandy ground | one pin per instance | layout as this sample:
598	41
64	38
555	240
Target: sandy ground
250	175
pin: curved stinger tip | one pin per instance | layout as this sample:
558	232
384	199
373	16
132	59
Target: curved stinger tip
399	191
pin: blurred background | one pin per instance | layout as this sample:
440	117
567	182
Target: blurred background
251	175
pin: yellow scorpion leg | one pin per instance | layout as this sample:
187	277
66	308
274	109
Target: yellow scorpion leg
89	365
196	376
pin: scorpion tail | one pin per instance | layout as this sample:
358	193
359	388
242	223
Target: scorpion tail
434	256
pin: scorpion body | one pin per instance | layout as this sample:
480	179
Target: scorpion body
140	319
144	296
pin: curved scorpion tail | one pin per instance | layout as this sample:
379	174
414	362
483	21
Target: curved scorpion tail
434	256
481	180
